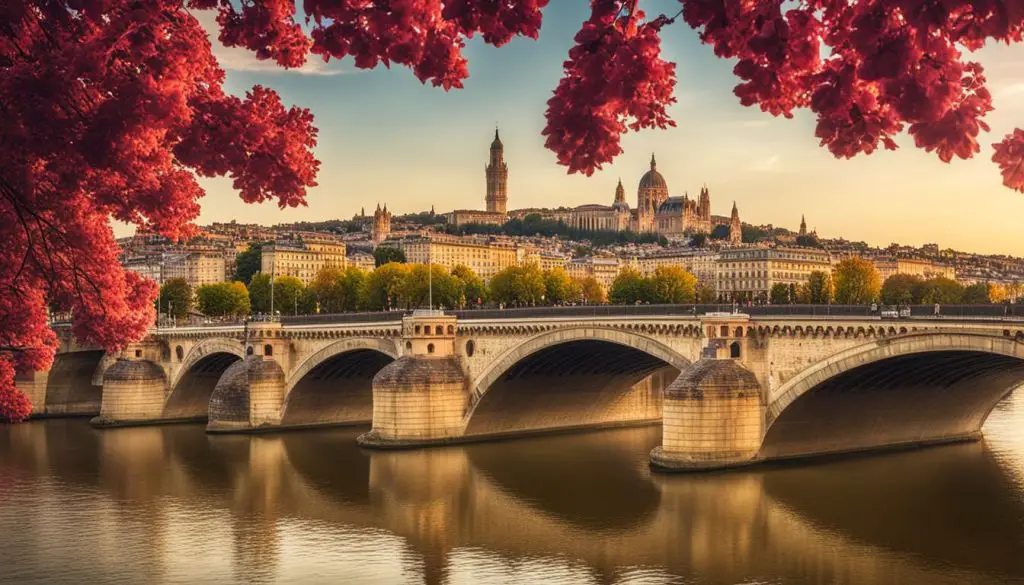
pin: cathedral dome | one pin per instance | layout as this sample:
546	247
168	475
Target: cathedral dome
652	179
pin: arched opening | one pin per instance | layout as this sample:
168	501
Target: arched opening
179	353
430	348
408	346
268	350
734	350
248	350
190	398
69	386
470	348
588	382
907	400
439	330
338	390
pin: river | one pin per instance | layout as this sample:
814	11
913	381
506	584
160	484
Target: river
170	504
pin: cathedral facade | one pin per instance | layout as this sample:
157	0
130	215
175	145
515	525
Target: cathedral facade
656	211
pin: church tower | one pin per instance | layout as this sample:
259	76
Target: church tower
381	224
497	177
735	228
650	194
704	205
620	196
803	226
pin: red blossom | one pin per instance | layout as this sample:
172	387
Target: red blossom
14	406
108	110
614	80
1009	155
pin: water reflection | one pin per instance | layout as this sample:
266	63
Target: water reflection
172	504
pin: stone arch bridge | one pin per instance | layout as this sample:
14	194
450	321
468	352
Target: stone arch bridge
729	388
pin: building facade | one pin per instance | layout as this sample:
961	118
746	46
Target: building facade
703	264
302	259
913	266
484	256
750	273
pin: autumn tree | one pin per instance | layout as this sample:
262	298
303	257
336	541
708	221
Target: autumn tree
706	294
519	286
441	287
900	289
176	298
335	290
474	290
559	288
223	298
286	294
938	290
591	291
779	294
630	287
384	287
248	262
259	293
672	285
817	290
856	282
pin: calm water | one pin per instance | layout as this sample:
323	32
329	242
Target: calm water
173	505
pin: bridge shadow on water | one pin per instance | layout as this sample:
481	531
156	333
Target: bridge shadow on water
587	501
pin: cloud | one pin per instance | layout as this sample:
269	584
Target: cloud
241	59
766	165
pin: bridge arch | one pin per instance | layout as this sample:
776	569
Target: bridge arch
916	388
335	384
195	378
572	377
74	385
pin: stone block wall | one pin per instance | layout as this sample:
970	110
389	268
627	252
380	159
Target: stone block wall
713	417
418	399
133	391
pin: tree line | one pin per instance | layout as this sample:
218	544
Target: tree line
856	281
391	286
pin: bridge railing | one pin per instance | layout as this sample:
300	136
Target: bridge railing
988	312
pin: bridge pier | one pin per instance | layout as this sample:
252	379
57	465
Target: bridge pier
33	386
422	397
713	418
248	396
134	392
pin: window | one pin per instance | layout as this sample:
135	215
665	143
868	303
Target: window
248	350
439	330
430	348
179	352
268	350
417	330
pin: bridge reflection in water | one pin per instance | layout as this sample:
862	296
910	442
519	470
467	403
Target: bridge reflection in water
172	504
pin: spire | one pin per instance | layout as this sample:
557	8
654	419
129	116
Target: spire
735	211
496	133
654	164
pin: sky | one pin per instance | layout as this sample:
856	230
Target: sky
384	137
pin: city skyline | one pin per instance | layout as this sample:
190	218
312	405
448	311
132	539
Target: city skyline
384	124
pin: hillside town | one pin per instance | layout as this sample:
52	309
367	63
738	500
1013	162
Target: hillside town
731	261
